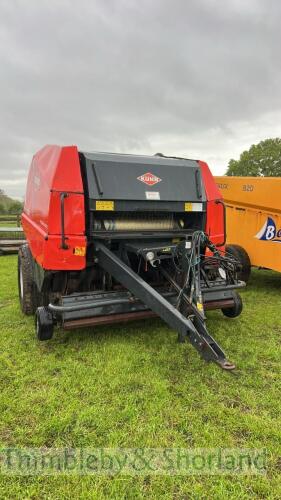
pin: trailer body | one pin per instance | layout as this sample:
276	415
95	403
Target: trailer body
253	206
114	237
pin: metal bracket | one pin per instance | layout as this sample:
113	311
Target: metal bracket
64	246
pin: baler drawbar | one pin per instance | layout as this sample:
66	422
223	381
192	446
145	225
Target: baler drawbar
113	238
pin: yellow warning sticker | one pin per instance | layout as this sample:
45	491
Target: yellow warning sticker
199	306
104	205
188	206
80	251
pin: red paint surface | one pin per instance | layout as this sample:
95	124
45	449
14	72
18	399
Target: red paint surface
215	213
53	170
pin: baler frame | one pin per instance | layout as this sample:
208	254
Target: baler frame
92	222
141	295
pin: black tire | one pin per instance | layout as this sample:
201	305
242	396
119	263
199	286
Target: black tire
236	309
240	254
44	325
25	281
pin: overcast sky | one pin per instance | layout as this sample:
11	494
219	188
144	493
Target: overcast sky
197	78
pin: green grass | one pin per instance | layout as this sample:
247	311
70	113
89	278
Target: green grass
11	235
7	220
8	224
134	386
5	224
12	223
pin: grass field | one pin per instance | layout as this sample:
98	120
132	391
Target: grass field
8	221
134	386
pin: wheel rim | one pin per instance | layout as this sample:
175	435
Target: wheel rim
21	283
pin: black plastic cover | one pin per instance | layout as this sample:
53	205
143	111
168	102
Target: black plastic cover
112	176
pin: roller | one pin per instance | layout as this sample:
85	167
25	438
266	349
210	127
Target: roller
137	224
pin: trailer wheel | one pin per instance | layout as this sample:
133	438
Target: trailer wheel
43	324
240	254
236	309
25	281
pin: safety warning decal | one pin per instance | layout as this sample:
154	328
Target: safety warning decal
104	205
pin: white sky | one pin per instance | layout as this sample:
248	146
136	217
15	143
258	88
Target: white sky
196	78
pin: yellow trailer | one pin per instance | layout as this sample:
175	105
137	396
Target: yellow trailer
253	220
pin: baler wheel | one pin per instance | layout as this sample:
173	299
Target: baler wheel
43	324
236	309
241	255
25	281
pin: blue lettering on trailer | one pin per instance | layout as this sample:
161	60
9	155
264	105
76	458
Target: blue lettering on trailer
269	232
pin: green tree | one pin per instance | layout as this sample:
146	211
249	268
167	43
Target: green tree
262	159
15	207
2	209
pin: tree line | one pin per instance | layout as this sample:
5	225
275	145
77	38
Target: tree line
8	205
261	160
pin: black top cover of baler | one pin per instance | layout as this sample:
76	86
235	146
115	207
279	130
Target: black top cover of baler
118	177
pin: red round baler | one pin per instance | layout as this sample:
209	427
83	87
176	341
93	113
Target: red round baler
114	237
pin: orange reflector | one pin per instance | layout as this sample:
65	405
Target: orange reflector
80	251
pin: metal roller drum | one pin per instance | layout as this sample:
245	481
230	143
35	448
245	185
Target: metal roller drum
138	224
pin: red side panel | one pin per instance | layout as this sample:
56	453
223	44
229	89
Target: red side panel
55	169
215	212
67	177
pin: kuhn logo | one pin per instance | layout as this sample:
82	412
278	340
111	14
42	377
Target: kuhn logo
269	232
149	179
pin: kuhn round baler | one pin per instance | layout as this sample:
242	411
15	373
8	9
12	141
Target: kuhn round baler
114	237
